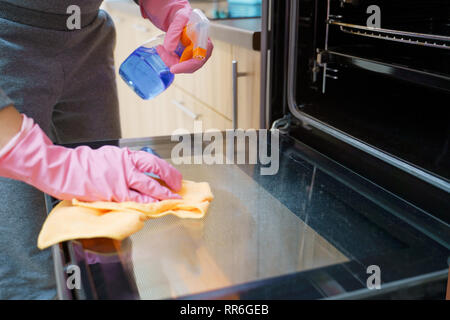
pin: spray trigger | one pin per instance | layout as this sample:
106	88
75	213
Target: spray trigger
194	38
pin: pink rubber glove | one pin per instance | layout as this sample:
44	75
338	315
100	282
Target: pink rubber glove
106	174
171	16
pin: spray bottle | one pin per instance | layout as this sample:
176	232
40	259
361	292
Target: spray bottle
144	70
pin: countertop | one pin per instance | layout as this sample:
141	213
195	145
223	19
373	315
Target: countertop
241	32
245	32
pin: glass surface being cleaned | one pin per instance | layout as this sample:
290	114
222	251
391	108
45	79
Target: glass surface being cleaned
309	231
246	235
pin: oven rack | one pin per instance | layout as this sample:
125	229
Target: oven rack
421	39
415	75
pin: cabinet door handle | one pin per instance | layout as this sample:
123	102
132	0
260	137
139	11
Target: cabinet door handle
186	110
236	75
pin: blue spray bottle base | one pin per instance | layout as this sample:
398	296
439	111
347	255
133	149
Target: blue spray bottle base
146	73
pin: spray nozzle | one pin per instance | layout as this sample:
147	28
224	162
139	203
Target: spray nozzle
194	38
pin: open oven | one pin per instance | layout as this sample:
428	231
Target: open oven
361	108
367	82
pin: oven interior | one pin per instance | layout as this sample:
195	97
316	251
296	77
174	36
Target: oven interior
387	86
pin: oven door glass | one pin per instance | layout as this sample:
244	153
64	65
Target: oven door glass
311	230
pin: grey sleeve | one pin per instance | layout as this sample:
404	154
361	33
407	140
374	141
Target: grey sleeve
4	100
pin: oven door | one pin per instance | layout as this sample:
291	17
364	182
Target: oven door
311	230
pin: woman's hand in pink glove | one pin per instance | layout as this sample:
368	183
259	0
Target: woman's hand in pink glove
188	66
172	16
106	174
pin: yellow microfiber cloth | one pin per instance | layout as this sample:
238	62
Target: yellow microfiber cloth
84	220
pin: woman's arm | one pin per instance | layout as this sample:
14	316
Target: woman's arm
10	124
106	174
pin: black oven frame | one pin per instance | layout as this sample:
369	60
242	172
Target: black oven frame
280	109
